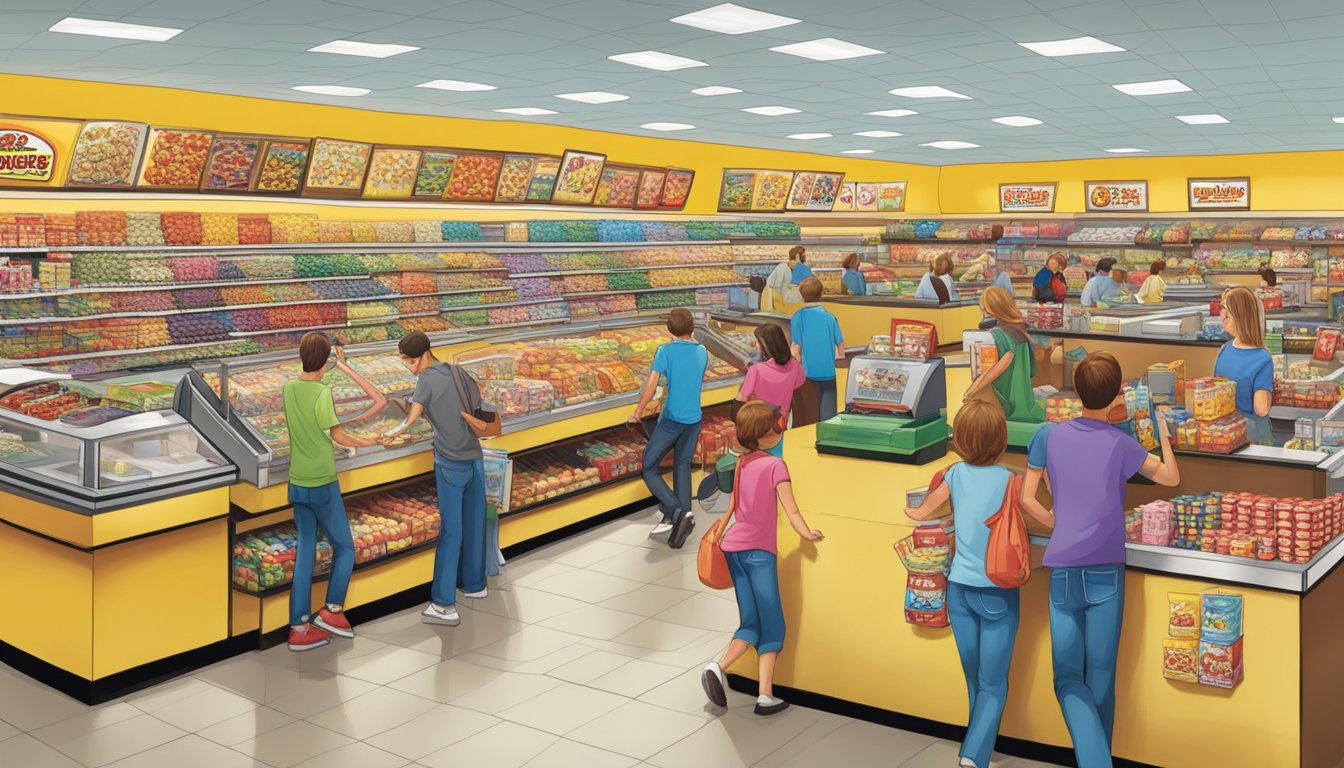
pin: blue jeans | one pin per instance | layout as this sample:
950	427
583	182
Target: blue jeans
1087	605
680	439
313	507
826	399
984	623
760	615
459	558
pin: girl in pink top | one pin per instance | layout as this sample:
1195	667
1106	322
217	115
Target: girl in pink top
775	378
749	546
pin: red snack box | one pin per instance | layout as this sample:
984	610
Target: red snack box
1327	342
1220	665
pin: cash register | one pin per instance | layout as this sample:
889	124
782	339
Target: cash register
895	401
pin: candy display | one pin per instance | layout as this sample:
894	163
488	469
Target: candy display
101	227
542	183
771	190
107	154
650	194
175	159
392	174
677	188
514	176
474	178
436	169
232	162
143	228
282	167
617	188
577	181
337	166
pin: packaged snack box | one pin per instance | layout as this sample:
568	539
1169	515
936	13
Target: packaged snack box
1180	660
1220	665
1184	614
1222	618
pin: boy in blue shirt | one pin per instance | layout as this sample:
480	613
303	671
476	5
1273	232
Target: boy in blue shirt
798	262
817	342
681	362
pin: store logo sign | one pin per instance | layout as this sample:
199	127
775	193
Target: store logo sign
1220	194
1113	196
25	156
1027	198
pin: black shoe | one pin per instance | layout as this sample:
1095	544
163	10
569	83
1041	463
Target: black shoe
680	530
712	682
765	710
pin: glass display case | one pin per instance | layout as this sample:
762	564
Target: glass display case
96	445
734	338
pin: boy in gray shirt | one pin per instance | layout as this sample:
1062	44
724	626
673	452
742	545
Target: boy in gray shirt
449	397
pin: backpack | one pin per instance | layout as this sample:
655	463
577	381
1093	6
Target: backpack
1008	554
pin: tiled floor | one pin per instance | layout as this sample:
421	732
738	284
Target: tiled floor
586	653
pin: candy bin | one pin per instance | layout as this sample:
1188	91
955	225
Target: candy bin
143	228
427	231
363	232
254	229
294	228
1210	398
1060	408
182	228
334	232
1157	523
101	227
61	229
488	367
394	231
1223	435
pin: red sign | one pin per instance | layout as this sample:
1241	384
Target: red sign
25	156
1232	194
1027	198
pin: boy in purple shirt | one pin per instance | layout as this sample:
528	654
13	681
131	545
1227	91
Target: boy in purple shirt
1088	463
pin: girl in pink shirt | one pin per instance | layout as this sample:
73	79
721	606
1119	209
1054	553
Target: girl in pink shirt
750	548
775	378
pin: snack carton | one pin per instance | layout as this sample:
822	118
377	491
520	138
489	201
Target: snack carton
1220	665
1180	660
1222	614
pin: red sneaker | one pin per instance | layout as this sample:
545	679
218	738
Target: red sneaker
307	641
335	623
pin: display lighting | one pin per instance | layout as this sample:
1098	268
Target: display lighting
827	49
593	97
73	25
663	62
733	19
927	92
1213	119
950	145
1017	121
527	111
667	126
772	111
332	90
367	50
1077	46
1152	88
457	85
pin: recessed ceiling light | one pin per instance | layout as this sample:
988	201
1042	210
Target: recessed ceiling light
951	145
1152	88
879	134
826	49
1203	119
1017	121
857	152
593	97
663	62
893	113
1338	119
1076	46
332	90
527	111
927	92
772	111
667	126
715	90
809	136
734	20
368	50
456	85
1126	151
76	26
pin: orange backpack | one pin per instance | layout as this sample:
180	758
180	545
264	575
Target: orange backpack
1008	554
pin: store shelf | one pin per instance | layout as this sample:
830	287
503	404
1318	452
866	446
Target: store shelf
343	326
143	287
563	272
19	362
612	291
1066	243
321	577
935	241
486	246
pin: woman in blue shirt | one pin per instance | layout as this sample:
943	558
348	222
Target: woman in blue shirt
1245	361
855	285
1101	286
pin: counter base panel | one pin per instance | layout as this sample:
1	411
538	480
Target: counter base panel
920	457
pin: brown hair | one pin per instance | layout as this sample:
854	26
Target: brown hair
810	289
942	265
798	253
980	435
1156	267
773	344
1120	272
1104	265
1059	257
1247	312
755	419
1097	380
1270	277
999	304
680	322
851	261
414	344
314	349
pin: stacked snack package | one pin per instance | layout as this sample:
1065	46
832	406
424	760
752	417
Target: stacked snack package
717	437
1180	649
927	555
1220	639
1209	422
1156	523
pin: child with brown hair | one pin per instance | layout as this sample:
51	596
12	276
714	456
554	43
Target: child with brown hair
1154	288
750	547
817	342
938	284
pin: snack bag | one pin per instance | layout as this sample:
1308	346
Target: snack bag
926	599
1222	618
1220	665
1183	615
1180	660
927	555
1327	342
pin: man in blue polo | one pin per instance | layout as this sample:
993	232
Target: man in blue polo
681	363
817	342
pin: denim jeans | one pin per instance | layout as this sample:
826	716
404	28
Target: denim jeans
984	623
1087	605
459	558
760	615
313	507
825	399
679	439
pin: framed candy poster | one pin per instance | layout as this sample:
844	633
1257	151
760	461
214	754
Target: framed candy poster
392	173
1116	196
337	168
542	184
174	159
35	152
617	188
284	162
801	190
891	196
514	177
579	174
771	191
1220	194
845	202
474	177
866	196
677	188
232	163
107	154
1027	198
825	191
436	170
735	190
651	181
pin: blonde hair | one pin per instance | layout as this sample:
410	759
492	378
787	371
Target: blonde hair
999	304
980	435
1248	314
942	265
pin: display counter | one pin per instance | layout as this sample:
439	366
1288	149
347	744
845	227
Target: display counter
848	639
863	317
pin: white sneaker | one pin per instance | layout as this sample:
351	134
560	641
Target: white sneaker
448	617
660	529
475	595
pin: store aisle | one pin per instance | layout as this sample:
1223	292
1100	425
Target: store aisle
586	653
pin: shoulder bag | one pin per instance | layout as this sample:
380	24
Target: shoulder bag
710	562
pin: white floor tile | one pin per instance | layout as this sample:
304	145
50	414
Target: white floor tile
737	738
438	728
529	644
568	754
246	726
508	689
292	744
81	725
357	755
856	743
27	704
660	635
538	666
703	611
637	729
684	694
248	676
643	565
8	731
202	709
191	751
588	586
585	554
448	680
594	621
562	708
526	604
24	750
530	571
477	629
648	600
634	678
113	742
381	709
383	665
319	692
590	666
507	745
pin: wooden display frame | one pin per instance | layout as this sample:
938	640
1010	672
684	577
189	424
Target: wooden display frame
809	179
563	175
543	163
634	170
137	157
1089	195
1052	186
266	148
527	181
493	185
147	157
1192	181
640	204
690	184
311	190
415	174
424	160
882	187
252	172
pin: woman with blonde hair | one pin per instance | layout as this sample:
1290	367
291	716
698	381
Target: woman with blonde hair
1245	361
1011	375
937	283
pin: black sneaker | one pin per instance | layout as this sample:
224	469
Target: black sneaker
770	706
713	682
680	530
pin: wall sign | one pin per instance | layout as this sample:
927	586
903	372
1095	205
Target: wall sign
25	155
1220	194
1027	198
891	196
1116	196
